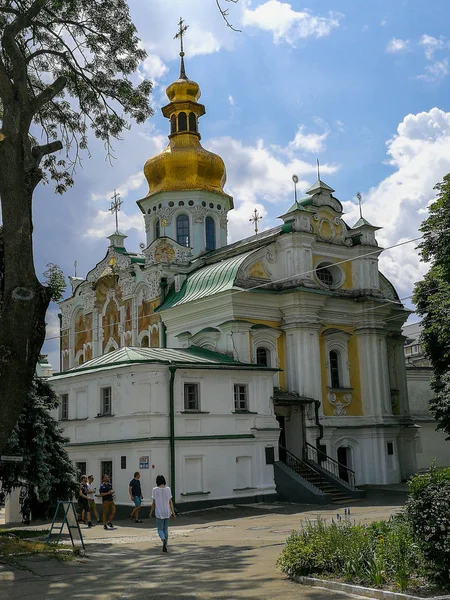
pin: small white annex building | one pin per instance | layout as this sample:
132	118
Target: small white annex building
202	419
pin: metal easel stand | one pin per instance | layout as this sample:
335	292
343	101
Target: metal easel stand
69	519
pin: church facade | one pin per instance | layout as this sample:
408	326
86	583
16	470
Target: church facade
303	302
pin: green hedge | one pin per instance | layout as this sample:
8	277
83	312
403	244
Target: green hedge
379	554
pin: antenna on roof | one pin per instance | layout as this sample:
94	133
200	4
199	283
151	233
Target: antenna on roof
359	197
318	170
75	268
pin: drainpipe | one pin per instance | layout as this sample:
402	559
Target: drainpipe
319	425
60	343
163	284
172	430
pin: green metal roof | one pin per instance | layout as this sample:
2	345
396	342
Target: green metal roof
319	185
192	356
361	222
205	282
297	206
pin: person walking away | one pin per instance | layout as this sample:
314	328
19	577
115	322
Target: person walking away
83	499
162	505
136	496
109	508
91	497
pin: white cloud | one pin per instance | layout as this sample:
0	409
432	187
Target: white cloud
101	224
153	67
420	155
231	100
288	25
432	44
397	45
436	71
309	142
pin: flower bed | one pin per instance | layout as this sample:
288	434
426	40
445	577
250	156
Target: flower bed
381	554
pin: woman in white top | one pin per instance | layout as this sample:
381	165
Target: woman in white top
162	506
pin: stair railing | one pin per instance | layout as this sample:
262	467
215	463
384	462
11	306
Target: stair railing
302	468
328	464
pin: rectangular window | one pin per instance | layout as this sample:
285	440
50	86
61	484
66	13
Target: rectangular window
81	468
106	468
191	396
123	462
334	370
270	455
64	407
408	351
105	406
390	448
193	474
240	396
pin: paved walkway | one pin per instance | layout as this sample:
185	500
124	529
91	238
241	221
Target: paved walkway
226	554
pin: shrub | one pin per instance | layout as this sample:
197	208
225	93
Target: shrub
428	510
376	554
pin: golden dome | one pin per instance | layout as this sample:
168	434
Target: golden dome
184	164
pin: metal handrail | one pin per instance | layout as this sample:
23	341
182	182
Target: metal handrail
296	464
328	464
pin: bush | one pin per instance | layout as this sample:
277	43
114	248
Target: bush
428	510
377	554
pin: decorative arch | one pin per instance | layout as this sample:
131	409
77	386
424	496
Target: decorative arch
182	121
210	233
336	343
111	346
144	335
183	230
353	444
192	122
266	337
206	338
154	336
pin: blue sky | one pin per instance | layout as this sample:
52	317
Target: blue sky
363	86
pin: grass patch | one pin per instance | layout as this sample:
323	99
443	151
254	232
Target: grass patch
13	547
24	533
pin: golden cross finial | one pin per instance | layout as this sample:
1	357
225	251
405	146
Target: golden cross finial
115	207
181	31
359	197
255	218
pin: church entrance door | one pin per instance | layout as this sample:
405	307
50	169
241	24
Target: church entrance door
344	457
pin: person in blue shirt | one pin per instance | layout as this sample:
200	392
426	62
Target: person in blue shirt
136	496
109	508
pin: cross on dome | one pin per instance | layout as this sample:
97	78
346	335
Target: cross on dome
181	31
115	207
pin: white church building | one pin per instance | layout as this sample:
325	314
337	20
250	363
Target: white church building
271	365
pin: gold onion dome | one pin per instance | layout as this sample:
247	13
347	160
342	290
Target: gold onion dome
184	164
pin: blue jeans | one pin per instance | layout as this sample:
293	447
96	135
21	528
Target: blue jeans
162	526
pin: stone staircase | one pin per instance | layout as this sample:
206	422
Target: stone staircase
324	487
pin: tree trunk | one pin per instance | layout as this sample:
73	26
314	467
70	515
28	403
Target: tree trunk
24	300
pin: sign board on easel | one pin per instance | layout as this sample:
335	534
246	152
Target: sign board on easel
69	520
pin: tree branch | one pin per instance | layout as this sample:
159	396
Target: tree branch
49	93
224	12
39	151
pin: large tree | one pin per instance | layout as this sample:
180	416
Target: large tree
432	298
66	66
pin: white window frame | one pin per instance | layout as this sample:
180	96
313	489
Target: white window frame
102	400
238	401
185	399
62	417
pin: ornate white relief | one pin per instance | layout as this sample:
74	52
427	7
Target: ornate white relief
126	283
66	312
339	405
166	252
166	213
179	279
223	220
316	216
148	221
87	295
330	235
153	280
198	213
114	260
271	256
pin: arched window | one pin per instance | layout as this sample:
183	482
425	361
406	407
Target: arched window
183	230
210	232
334	370
145	342
173	124
192	122
157	229
182	122
263	357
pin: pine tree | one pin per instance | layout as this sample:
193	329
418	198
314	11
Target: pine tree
46	473
432	298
